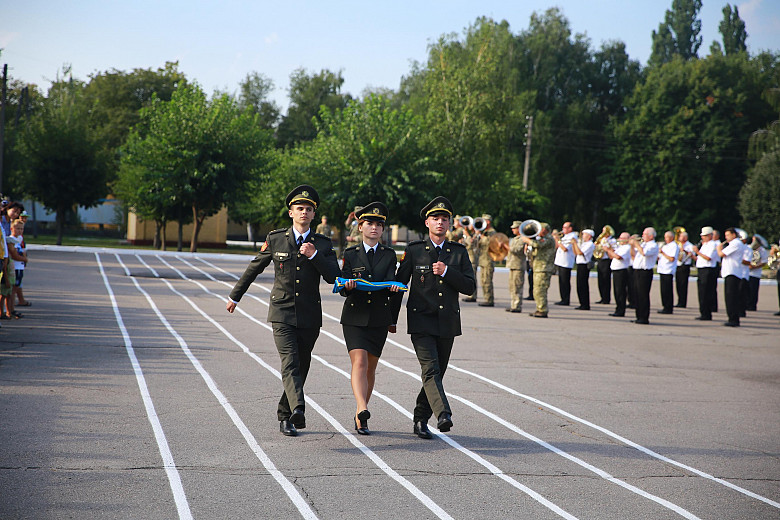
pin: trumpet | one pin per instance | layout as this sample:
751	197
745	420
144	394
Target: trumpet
480	224
466	221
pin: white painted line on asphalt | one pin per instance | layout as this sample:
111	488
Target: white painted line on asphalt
289	488
496	471
422	497
573	417
174	479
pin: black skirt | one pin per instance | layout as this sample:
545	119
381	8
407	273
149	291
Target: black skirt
370	339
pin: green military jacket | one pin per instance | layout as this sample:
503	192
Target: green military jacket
484	243
516	257
544	256
295	296
368	308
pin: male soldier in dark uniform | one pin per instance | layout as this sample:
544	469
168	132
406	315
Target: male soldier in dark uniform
438	270
300	258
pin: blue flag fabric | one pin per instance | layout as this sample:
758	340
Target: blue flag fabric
364	285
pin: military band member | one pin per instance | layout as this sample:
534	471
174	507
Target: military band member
584	254
684	262
351	227
543	254
731	253
774	251
300	259
516	263
759	252
645	257
438	270
456	233
621	260
486	263
323	228
366	317
716	240
604	270
471	241
707	278
667	267
564	259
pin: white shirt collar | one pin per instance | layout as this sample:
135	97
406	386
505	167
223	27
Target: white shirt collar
368	247
304	235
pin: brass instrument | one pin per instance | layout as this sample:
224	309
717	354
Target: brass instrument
530	228
496	248
601	241
774	259
480	224
466	221
678	230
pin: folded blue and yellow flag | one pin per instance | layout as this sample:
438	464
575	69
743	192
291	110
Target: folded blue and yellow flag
365	285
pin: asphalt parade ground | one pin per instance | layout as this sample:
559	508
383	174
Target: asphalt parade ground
128	392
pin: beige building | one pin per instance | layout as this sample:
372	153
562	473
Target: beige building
213	232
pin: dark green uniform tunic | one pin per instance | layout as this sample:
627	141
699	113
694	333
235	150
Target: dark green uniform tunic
295	311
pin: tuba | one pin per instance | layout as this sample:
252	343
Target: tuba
530	228
466	221
480	224
601	241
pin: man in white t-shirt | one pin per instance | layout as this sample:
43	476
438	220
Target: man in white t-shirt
759	252
645	257
707	277
621	259
564	260
684	263
584	253
667	267
731	253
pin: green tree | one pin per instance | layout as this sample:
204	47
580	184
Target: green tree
679	154
307	94
64	162
254	91
732	28
208	152
678	34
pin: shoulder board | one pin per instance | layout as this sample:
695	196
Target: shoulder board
351	248
320	235
275	231
415	242
456	244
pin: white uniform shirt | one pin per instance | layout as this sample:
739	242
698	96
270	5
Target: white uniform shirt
624	252
709	249
755	272
716	257
647	260
668	266
732	262
587	252
565	258
688	256
747	256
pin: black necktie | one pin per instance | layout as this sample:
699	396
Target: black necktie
438	252
371	257
300	240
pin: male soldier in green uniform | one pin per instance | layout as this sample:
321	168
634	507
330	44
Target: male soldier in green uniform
516	263
471	241
456	234
486	263
300	259
438	270
543	258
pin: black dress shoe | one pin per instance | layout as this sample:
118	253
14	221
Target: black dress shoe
529	298
287	428
776	314
421	430
703	318
630	306
731	324
616	315
298	419
600	302
641	322
538	314
680	306
362	429
470	300
565	304
485	304
581	308
663	311
445	422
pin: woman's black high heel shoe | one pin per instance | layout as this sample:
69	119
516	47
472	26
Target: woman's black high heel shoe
362	429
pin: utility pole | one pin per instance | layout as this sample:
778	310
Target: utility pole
2	121
527	143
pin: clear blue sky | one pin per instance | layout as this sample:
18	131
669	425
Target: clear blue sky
373	43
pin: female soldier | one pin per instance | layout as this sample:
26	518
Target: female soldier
366	317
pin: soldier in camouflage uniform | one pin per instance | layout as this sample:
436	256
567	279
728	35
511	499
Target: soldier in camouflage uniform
471	241
515	262
486	263
543	258
456	233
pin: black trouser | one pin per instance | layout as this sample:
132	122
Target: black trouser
631	291
681	281
604	275
777	277
433	353
564	283
667	292
643	280
706	282
732	293
714	300
295	346
744	295
583	291
754	283
620	283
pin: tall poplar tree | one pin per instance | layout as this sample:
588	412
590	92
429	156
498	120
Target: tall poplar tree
678	34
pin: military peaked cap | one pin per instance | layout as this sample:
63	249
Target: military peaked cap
436	206
373	211
303	194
